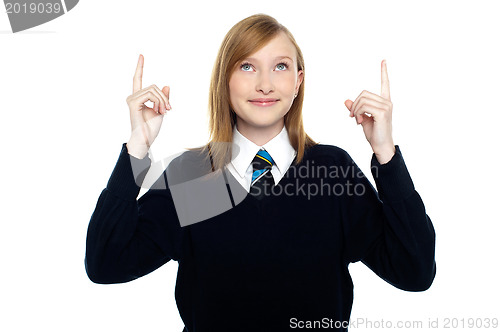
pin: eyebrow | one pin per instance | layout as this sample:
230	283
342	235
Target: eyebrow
281	57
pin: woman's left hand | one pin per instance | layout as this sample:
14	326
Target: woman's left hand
374	113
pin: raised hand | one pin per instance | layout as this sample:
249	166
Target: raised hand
374	113
145	121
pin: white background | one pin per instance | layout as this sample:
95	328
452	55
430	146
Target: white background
64	117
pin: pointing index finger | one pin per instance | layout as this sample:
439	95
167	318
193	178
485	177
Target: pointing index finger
138	74
385	82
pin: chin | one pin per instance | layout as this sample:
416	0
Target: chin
262	120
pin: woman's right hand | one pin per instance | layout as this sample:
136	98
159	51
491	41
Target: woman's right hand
145	121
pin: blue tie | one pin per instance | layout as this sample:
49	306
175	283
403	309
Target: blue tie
262	179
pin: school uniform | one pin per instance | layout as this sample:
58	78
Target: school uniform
268	263
279	148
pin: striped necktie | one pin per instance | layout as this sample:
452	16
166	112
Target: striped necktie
262	179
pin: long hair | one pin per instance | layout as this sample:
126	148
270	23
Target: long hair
245	38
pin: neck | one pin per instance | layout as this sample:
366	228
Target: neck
259	135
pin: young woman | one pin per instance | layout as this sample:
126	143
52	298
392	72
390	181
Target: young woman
262	220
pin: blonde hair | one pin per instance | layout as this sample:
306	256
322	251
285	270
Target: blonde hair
245	38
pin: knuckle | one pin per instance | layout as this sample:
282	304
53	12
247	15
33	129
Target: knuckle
361	103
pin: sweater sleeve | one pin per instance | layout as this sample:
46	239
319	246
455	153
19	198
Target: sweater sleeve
389	231
128	237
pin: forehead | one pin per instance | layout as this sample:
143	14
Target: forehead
278	46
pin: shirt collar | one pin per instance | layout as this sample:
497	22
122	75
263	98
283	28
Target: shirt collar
245	150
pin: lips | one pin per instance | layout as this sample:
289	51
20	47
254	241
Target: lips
263	101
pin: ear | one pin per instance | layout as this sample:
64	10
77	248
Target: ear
300	78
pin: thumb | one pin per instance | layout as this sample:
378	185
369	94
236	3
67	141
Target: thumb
166	91
348	103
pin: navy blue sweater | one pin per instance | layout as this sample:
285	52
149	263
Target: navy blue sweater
271	264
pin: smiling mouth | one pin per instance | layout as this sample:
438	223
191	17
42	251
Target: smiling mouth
263	101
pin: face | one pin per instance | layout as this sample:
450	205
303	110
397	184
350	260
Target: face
262	87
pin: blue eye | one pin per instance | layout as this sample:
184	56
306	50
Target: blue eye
246	67
281	66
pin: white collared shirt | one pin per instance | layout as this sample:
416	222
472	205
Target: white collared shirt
245	150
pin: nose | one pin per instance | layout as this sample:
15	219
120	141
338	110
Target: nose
264	83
